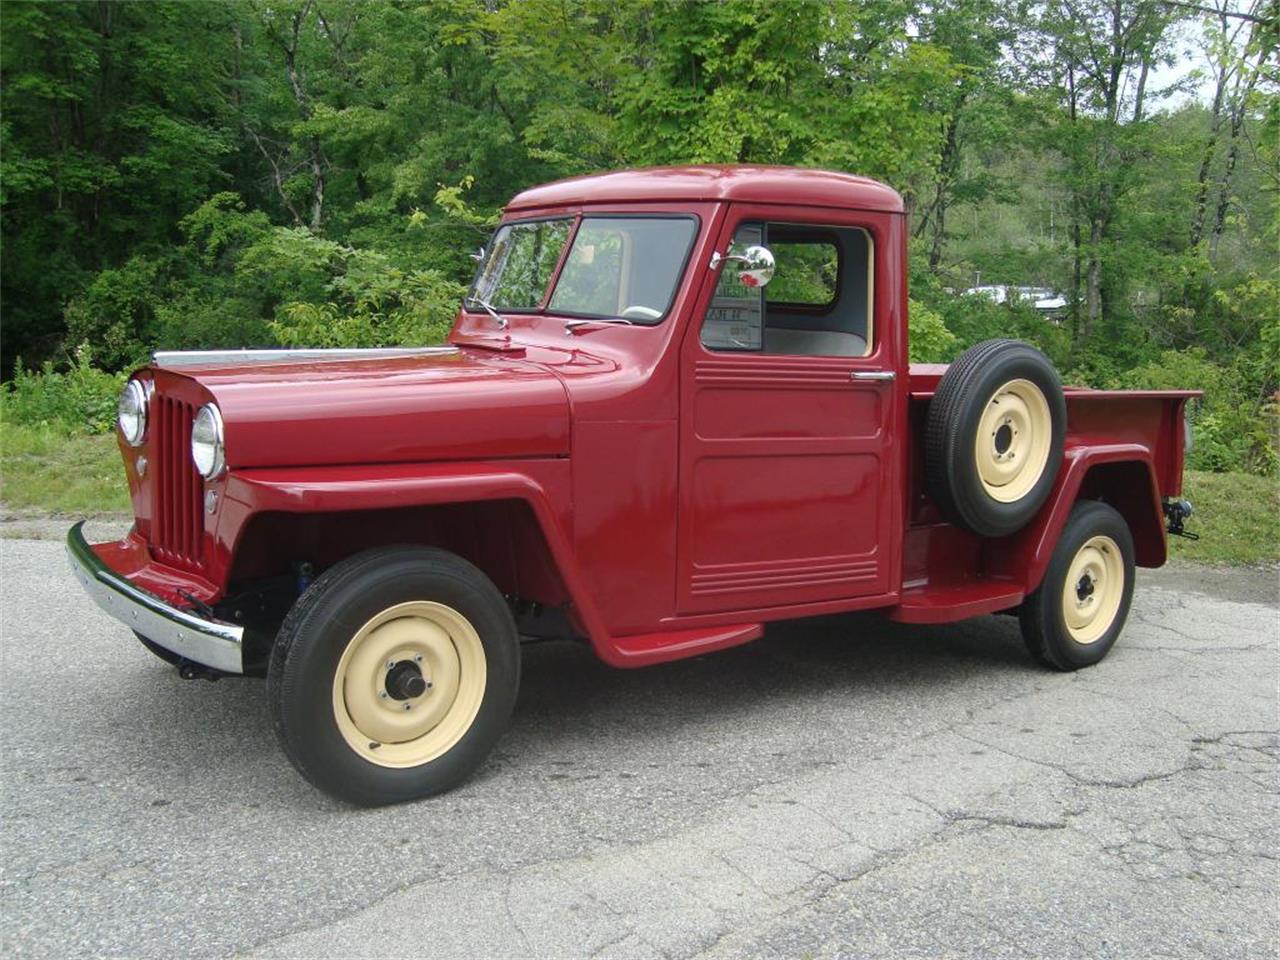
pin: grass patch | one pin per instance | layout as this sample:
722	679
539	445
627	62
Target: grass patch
1237	517
42	470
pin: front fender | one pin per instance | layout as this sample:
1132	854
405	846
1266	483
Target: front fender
541	484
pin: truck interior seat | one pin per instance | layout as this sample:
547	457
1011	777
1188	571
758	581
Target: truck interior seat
813	343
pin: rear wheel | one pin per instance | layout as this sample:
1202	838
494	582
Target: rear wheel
394	675
1073	618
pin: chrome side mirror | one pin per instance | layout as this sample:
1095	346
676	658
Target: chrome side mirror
478	256
756	265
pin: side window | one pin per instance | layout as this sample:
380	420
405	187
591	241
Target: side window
819	303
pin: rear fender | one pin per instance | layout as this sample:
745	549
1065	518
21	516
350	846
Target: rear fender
1121	475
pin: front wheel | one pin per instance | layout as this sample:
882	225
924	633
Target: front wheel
394	675
1073	618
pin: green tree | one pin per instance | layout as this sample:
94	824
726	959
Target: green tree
114	127
1103	53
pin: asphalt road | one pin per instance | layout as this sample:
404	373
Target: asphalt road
843	787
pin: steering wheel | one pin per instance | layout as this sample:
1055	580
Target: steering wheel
638	312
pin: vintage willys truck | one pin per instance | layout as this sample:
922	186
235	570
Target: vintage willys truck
675	405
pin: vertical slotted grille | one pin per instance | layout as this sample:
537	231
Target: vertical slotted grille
177	518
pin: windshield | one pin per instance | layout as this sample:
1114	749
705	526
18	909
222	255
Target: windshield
521	260
619	266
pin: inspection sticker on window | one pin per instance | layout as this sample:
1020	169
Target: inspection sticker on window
735	319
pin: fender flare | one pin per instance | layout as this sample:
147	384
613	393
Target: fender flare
329	489
1133	490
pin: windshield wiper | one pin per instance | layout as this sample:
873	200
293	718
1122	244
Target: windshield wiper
572	325
488	308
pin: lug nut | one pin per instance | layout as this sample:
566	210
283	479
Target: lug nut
382	694
390	664
408	706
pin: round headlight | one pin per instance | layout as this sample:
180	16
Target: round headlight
207	450
131	413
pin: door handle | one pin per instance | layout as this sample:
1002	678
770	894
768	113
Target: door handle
872	375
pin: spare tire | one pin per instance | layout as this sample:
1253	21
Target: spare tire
994	437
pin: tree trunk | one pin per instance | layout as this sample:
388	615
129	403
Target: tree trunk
1206	161
1075	223
947	167
1115	64
237	76
1141	94
939	237
1093	277
1077	272
317	185
1224	185
315	158
1246	80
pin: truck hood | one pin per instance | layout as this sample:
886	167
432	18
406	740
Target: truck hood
447	404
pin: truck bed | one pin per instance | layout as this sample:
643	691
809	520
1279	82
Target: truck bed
1122	446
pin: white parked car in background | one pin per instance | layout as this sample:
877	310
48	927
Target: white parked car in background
1044	299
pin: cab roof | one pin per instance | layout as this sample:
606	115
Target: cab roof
742	183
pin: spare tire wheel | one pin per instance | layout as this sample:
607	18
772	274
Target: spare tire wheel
994	437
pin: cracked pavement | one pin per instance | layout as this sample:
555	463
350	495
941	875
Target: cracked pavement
844	787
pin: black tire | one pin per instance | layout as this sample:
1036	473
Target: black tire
168	656
316	634
963	399
1043	615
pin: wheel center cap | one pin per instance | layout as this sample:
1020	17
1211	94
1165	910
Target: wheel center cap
1004	438
1084	589
405	681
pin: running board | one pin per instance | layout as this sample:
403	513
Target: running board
646	648
926	604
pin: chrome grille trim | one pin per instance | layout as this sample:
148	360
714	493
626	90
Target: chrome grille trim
177	516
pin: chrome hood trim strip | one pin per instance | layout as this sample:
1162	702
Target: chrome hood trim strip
197	358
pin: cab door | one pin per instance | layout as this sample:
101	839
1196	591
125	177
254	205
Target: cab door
791	408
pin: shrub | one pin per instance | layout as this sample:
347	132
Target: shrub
929	340
1233	426
365	301
972	319
81	399
116	313
208	319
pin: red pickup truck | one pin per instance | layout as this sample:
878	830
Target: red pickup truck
675	405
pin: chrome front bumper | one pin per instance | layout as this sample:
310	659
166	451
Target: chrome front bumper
208	642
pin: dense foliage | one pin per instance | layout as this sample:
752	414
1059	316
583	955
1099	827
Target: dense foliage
315	172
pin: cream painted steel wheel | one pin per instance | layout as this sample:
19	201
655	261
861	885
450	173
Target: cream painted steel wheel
394	674
1013	439
1077	612
994	436
409	684
1093	589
